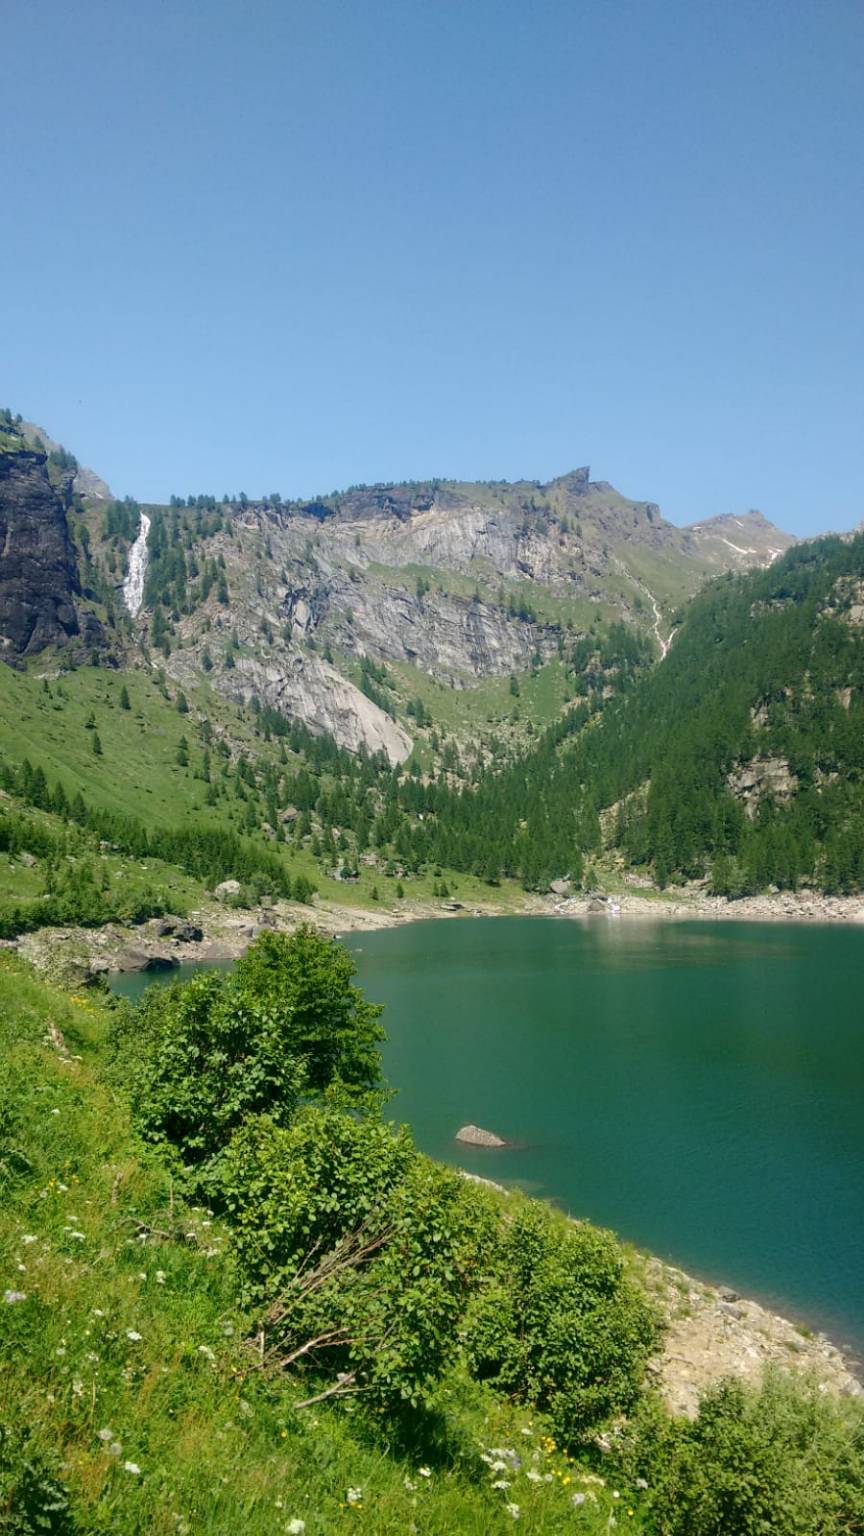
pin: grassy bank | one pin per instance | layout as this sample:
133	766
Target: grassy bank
129	1396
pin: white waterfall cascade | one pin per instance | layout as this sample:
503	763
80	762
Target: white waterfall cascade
133	586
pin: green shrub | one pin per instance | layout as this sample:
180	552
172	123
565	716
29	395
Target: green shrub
327	1022
560	1326
202	1056
783	1461
289	1192
205	1055
364	1253
33	1500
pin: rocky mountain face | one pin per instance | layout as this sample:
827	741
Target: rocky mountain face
470	581
462	583
338	611
39	580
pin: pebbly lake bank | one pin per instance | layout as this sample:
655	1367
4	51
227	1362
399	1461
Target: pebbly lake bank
81	954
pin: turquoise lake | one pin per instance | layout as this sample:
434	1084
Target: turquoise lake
698	1087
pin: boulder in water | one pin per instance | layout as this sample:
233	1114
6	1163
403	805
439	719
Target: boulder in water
475	1136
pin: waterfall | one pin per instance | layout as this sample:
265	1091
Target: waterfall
133	586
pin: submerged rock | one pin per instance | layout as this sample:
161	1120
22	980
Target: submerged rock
475	1136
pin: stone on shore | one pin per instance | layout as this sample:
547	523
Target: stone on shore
145	960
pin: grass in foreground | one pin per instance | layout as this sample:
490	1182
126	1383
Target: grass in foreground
129	1395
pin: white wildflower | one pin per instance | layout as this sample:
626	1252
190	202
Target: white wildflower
206	1351
425	1471
409	1483
63	1188
501	1483
578	1499
77	1386
142	1274
533	1476
641	1483
133	1335
296	1527
513	1510
526	1430
60	1350
55	1111
28	1238
97	1312
10	1297
160	1277
133	1467
105	1434
354	1495
115	1448
78	1236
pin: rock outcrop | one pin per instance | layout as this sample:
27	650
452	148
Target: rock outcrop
762	778
38	573
305	688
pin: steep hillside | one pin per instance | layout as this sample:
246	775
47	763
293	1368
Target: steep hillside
366	612
740	758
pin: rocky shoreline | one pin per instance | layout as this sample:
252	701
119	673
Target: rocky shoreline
713	1333
215	933
692	903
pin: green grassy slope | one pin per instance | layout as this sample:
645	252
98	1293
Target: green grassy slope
126	1380
145	773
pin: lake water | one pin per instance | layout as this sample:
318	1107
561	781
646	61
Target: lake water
698	1087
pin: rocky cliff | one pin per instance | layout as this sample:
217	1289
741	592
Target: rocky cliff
38	573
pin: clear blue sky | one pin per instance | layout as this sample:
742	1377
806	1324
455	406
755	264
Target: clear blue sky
293	244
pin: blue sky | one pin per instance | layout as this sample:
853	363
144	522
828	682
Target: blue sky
290	246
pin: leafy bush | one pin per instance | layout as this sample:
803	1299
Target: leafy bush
783	1461
293	1191
560	1326
33	1500
202	1057
205	1055
365	1252
328	1023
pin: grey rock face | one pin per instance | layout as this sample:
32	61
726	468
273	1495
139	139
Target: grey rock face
308	689
146	960
38	574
